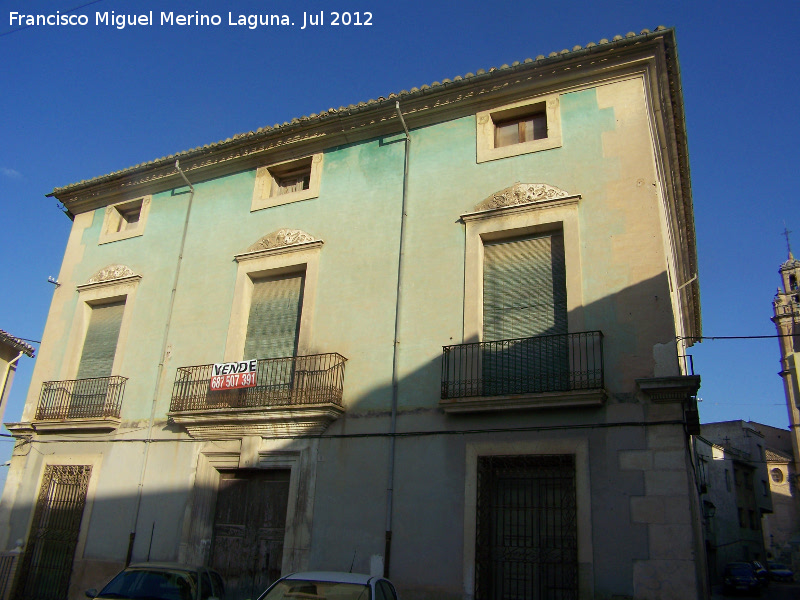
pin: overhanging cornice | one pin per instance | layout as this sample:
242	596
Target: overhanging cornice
356	122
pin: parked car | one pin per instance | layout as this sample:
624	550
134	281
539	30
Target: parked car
740	577
163	581
327	584
762	574
780	572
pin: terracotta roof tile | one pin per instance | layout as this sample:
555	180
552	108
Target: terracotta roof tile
16	343
775	456
629	38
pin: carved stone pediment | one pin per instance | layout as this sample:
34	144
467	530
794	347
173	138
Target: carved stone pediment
282	238
110	273
521	193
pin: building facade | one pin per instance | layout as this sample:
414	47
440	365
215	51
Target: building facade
733	482
436	335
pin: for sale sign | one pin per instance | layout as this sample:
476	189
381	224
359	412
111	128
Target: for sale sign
235	375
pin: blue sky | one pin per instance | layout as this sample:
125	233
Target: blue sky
79	102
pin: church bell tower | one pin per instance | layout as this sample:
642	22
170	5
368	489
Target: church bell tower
786	307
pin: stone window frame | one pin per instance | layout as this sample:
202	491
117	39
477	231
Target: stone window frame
95	461
486	120
578	448
777	478
114	214
113	284
272	256
266	179
502	216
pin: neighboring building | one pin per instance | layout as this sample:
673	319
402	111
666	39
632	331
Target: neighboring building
11	350
780	528
733	484
535	222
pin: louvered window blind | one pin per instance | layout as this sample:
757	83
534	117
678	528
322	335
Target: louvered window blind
525	296
524	288
274	321
100	344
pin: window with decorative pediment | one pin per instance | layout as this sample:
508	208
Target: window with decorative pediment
274	296
102	322
88	391
523	317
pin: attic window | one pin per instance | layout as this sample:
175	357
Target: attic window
522	129
125	220
129	217
290	181
293	177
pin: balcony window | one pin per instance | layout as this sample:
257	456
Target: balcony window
524	367
100	343
296	393
274	320
81	399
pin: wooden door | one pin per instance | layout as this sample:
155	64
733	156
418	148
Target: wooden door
249	526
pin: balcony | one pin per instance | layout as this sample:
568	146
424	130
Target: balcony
293	395
537	372
92	404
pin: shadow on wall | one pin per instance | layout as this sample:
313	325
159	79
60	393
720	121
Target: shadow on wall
351	508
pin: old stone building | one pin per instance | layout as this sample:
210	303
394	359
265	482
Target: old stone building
734	491
436	334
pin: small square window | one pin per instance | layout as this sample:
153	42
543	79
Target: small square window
520	128
296	177
287	182
129	217
124	220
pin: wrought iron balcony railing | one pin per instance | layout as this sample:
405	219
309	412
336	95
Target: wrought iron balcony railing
81	398
547	363
291	381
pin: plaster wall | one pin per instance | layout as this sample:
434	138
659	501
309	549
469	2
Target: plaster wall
636	476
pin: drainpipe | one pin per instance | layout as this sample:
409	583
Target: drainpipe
395	352
160	373
5	379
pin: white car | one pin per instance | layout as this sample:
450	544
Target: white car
331	586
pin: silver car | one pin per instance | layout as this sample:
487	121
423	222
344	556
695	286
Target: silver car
328	584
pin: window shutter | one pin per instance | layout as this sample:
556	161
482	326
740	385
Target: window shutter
524	288
525	296
100	344
274	321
